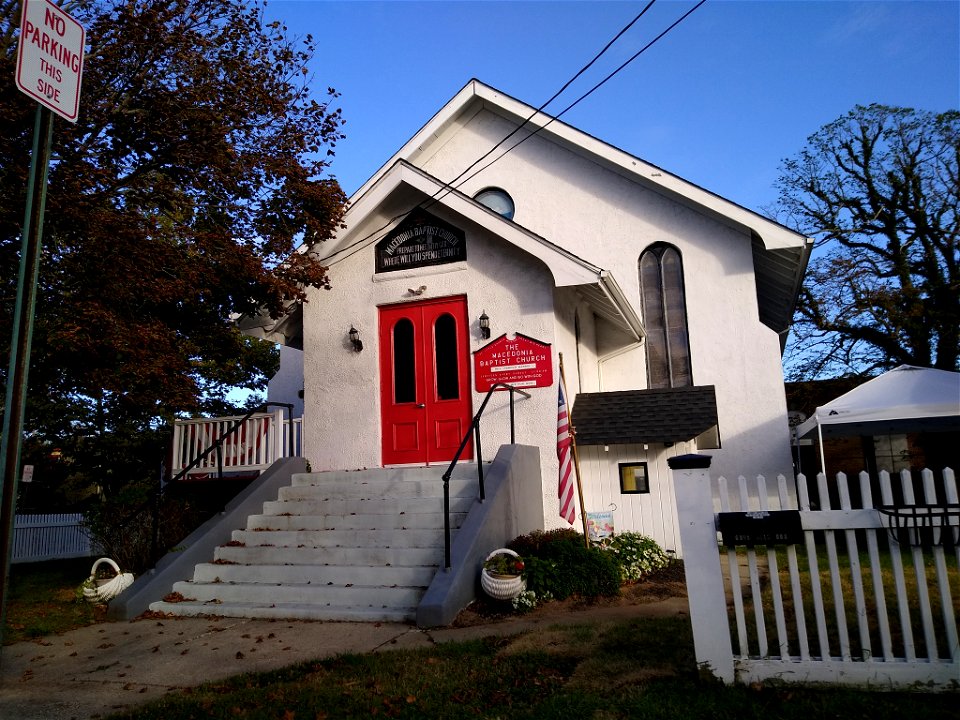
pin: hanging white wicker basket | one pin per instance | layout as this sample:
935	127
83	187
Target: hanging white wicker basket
502	587
99	590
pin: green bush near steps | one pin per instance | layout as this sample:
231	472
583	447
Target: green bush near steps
558	563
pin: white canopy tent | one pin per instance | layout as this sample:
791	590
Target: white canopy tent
904	400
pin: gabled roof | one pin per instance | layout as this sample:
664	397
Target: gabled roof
780	254
644	416
568	270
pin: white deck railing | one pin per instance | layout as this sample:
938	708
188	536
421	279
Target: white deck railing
263	439
853	601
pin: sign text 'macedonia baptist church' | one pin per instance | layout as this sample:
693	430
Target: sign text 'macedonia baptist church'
420	240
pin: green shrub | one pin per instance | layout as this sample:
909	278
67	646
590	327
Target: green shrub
535	544
635	555
559	563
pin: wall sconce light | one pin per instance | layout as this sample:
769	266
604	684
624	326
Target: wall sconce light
485	325
355	339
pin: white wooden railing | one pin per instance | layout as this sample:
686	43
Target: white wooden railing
263	439
854	602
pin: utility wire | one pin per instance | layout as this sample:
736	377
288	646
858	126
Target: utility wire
540	109
447	188
585	95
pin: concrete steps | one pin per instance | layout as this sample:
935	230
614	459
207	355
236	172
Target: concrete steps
360	545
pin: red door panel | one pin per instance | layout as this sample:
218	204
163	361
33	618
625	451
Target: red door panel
424	381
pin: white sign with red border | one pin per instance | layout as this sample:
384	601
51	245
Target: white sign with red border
50	57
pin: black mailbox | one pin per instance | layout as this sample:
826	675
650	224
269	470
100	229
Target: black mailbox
761	527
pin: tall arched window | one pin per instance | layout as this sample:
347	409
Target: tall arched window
664	311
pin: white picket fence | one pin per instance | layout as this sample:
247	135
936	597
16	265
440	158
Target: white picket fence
263	439
853	602
50	537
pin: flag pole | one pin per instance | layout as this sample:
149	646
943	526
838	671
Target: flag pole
576	457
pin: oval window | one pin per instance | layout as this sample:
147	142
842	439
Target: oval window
497	200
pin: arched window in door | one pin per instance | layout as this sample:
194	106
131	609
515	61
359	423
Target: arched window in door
663	304
445	358
404	363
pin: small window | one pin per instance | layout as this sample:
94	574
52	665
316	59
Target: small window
633	478
497	200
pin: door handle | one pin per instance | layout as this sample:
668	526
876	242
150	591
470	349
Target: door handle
421	405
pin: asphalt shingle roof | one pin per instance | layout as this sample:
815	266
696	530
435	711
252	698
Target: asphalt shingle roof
644	416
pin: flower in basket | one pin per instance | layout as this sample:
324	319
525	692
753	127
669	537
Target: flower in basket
504	564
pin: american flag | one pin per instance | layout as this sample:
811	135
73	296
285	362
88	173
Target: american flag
564	440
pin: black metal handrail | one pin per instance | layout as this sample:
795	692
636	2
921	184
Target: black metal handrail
475	430
216	446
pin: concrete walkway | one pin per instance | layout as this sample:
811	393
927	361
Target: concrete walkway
105	668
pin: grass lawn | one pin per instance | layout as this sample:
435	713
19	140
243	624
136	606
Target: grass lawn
630	669
42	599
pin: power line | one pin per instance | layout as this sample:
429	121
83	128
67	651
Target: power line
586	94
557	94
448	187
453	185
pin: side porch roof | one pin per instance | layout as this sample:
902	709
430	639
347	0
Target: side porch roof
667	415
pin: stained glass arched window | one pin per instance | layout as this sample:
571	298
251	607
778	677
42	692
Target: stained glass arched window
663	304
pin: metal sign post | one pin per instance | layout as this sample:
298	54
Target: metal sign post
16	400
49	70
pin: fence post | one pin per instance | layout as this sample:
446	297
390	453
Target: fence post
701	560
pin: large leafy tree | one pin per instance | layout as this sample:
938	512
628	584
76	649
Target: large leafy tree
879	190
199	160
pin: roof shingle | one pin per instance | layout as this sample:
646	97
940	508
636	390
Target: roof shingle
644	416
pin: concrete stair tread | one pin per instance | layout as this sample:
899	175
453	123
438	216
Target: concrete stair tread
353	521
375	556
353	538
313	594
350	546
326	574
286	611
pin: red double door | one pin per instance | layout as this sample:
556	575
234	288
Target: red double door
424	381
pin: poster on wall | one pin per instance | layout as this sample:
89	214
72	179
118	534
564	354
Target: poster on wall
421	240
522	362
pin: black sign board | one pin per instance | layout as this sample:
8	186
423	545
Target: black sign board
420	240
761	527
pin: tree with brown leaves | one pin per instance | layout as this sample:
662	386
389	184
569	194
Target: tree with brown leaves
199	160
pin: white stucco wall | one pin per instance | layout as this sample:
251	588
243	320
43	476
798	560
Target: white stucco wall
342	401
286	385
608	220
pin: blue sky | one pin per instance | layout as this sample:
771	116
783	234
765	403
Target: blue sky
720	100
